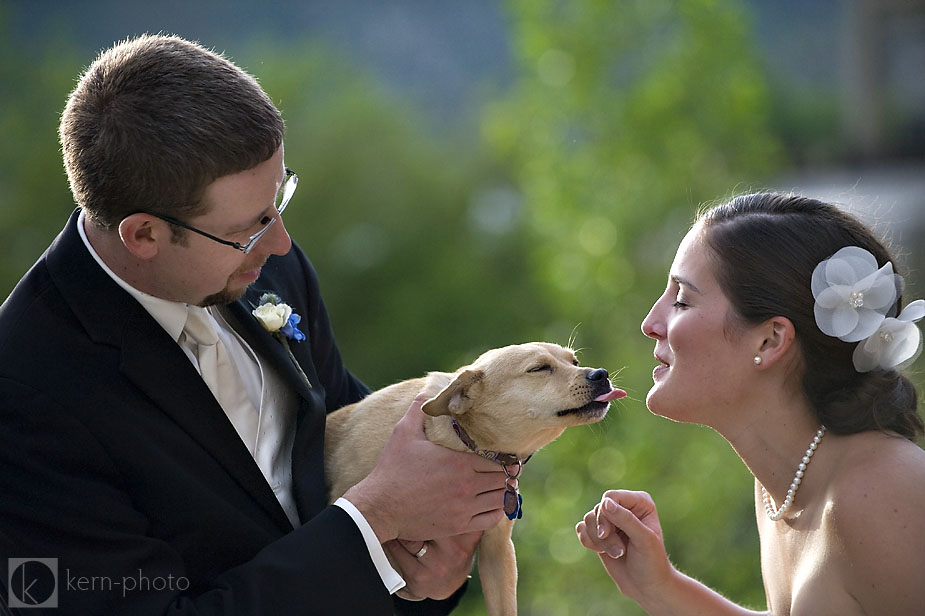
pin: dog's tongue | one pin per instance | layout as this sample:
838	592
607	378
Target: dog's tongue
613	394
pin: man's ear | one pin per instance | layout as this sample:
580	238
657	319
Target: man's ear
778	336
142	234
456	397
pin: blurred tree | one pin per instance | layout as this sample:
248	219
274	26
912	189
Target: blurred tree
626	116
34	197
417	239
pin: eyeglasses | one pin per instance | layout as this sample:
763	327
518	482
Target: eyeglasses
282	200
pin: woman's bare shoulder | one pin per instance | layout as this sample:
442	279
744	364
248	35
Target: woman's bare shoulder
878	473
875	518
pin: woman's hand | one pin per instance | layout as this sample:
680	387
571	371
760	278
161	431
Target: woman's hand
624	530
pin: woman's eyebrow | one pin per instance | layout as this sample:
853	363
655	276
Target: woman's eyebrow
678	280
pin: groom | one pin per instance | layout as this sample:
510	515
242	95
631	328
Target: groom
160	446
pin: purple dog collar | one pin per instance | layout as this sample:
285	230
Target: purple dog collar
513	501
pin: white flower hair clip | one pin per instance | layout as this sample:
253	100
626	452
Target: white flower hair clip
896	341
853	298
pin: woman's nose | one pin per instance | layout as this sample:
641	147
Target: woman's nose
653	326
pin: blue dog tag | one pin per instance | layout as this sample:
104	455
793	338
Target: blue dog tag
513	504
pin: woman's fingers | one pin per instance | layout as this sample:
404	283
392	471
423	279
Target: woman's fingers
620	518
599	535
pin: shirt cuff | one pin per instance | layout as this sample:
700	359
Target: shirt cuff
392	580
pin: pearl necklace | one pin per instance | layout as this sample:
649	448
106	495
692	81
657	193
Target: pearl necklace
795	484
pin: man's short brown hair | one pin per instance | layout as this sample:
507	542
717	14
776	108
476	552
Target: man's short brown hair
156	119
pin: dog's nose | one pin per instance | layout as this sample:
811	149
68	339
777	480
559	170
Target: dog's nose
597	375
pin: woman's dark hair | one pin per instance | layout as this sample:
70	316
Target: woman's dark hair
765	248
156	119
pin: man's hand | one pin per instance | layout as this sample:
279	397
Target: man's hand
440	571
420	491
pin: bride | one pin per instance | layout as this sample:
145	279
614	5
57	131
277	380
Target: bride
782	328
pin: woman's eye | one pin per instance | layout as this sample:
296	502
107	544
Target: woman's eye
544	367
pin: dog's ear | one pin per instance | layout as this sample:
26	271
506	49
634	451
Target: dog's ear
457	396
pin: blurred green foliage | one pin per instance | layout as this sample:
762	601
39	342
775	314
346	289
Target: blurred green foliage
392	217
556	220
34	196
627	116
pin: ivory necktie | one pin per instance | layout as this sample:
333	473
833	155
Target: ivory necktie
220	375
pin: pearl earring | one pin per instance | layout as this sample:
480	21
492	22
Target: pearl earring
757	360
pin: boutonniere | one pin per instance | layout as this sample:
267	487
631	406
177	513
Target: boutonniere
279	319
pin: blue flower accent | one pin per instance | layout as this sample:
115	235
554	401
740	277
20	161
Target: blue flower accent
290	330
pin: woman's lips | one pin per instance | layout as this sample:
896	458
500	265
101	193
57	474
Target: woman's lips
660	369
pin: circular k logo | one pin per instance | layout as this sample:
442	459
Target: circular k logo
33	582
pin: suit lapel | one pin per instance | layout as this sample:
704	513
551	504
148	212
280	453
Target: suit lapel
159	368
308	448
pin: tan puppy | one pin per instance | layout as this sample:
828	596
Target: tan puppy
505	406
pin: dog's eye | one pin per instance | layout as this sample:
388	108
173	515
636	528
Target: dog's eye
575	362
544	367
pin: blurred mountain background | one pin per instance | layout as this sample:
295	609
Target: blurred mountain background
477	173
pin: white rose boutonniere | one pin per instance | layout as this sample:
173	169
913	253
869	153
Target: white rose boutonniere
279	319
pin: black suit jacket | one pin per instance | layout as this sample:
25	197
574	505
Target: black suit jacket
116	460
